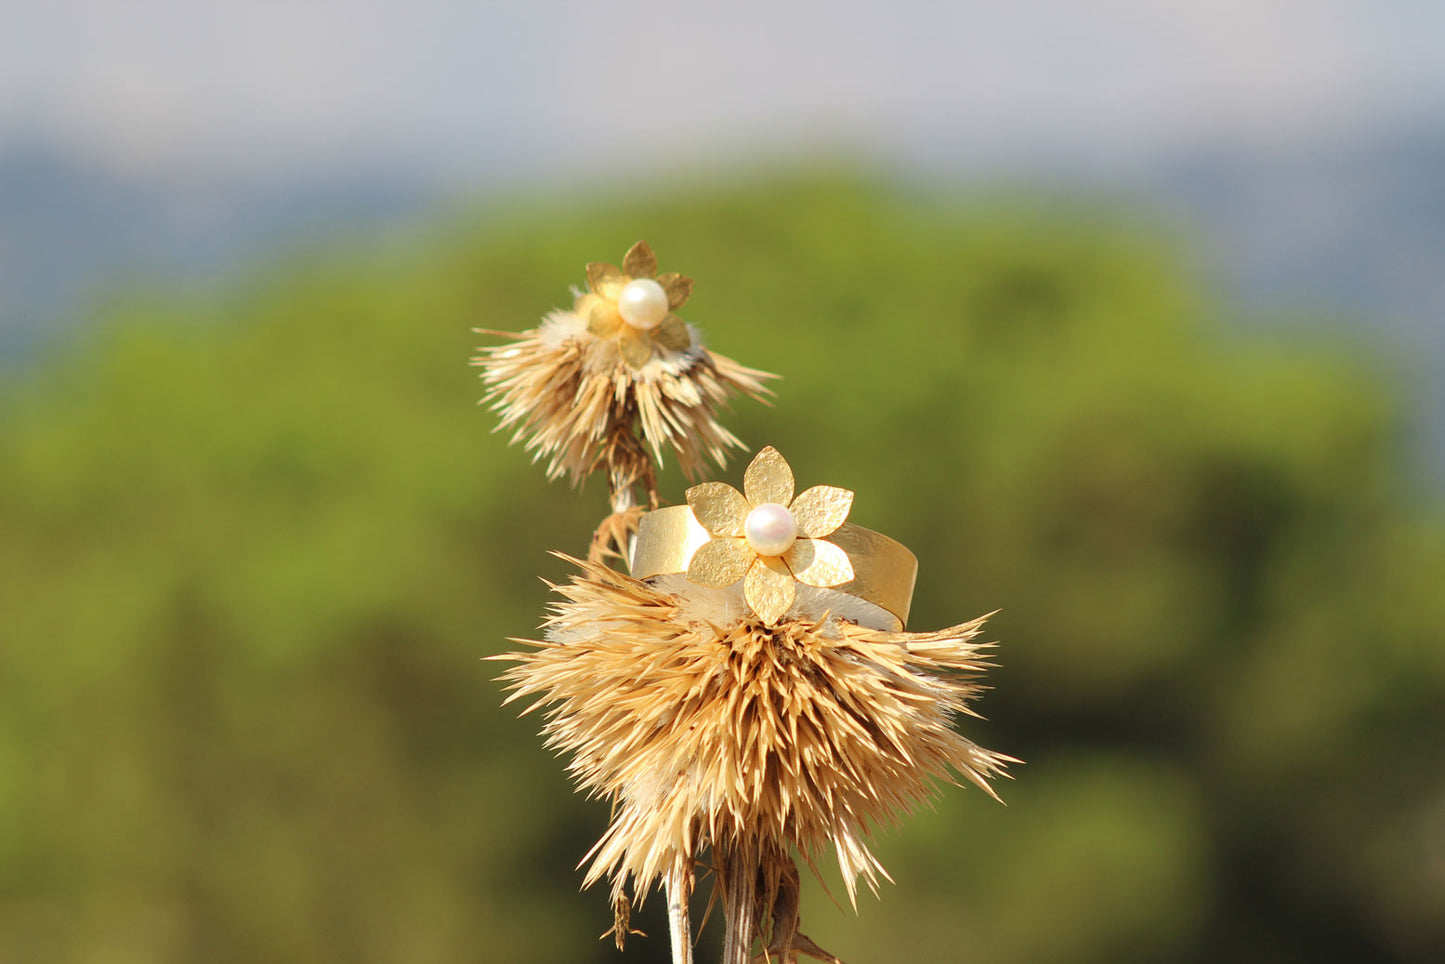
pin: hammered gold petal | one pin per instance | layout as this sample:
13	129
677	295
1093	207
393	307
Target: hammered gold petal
673	334
819	511
769	589
768	479
678	288
604	279
719	508
818	562
720	563
640	262
635	346
604	320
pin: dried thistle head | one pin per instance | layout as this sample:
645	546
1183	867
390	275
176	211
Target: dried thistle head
617	380
709	728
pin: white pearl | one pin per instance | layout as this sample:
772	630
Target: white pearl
643	303
770	529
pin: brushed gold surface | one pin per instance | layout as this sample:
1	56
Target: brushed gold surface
719	508
820	510
720	562
768	479
678	288
769	589
818	562
635	346
604	279
672	334
604	320
640	262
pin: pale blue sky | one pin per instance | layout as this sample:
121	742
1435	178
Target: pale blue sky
448	89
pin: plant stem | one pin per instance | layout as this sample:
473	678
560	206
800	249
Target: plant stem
677	883
740	880
679	924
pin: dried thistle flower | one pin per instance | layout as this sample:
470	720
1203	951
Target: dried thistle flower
581	386
708	728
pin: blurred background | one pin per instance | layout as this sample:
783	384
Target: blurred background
1126	317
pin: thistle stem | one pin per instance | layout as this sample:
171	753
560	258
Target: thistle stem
677	883
679	924
740	880
623	499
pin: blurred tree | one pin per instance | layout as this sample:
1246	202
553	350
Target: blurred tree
254	547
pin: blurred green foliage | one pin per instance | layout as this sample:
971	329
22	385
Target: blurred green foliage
253	547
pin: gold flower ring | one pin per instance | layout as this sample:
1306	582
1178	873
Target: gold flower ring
634	306
772	542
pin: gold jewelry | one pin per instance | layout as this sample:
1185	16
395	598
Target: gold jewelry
772	542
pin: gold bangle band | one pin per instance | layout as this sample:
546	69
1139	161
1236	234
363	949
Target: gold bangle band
883	569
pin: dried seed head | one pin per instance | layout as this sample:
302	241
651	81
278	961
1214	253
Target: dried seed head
589	389
709	729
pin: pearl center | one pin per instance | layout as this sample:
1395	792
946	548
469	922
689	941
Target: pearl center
770	529
643	303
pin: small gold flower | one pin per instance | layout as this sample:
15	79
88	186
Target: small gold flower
767	538
635	305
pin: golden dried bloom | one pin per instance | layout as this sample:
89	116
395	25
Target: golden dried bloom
709	729
767	538
582	386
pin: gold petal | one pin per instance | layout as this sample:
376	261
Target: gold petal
640	262
719	508
678	288
769	589
673	334
818	562
819	511
604	279
635	346
768	479
584	305
720	563
604	320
